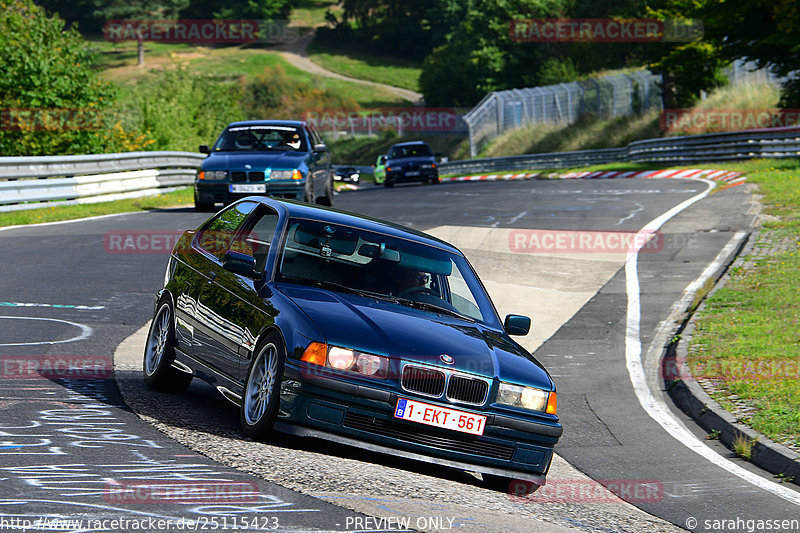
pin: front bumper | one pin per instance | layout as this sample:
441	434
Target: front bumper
413	175
218	192
359	415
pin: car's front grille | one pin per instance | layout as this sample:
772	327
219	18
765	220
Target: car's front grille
425	381
467	390
419	434
256	176
238	176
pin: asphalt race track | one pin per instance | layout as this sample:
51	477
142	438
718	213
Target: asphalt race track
72	449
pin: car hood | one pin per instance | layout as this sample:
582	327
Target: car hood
385	328
257	160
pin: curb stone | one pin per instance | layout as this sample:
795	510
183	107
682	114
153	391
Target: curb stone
690	397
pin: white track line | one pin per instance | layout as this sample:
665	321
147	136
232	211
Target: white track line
655	407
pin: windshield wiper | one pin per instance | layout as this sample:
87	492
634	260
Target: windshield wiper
432	307
325	284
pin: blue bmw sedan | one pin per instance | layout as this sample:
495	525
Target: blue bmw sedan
326	324
280	158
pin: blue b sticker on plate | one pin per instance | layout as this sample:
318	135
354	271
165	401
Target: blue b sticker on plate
401	408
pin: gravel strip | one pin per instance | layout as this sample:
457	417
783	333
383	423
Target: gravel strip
434	498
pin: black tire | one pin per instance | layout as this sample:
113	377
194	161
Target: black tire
328	198
508	485
434	181
261	397
159	353
388	184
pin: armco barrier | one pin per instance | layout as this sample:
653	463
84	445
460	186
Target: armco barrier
767	143
31	182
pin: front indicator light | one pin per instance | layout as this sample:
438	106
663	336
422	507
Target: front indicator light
201	175
551	404
529	398
296	175
316	353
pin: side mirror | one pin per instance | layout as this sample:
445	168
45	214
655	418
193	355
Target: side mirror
204	149
239	263
321	147
517	325
383	160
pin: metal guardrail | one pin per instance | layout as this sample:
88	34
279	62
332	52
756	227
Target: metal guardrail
31	182
768	143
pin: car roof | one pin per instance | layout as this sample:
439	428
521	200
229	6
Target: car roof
345	218
410	143
266	123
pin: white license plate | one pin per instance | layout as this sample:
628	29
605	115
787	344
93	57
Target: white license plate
247	187
441	417
412	173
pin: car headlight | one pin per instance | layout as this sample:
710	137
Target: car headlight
428	166
529	398
366	364
286	175
213	174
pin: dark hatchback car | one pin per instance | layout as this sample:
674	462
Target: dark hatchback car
325	324
409	162
281	158
346	174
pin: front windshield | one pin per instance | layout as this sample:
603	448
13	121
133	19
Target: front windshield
347	259
260	138
411	150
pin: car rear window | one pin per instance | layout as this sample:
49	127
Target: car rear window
412	150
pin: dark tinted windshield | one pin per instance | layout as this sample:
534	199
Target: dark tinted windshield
412	150
249	138
347	259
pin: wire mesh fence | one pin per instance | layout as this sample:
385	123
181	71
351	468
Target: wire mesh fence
564	103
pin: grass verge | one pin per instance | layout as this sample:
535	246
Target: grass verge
746	345
180	198
357	63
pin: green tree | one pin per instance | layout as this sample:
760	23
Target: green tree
180	111
764	31
479	55
52	100
139	10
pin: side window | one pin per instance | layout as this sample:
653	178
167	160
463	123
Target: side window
314	136
256	241
460	295
216	235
